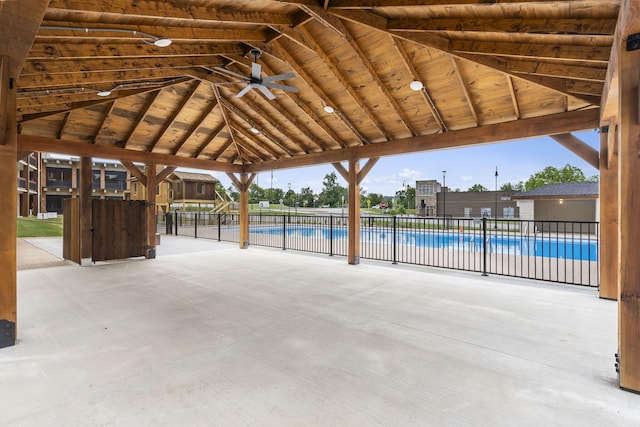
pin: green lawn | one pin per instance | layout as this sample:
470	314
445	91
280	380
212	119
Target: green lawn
34	227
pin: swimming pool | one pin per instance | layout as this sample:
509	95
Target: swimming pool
572	247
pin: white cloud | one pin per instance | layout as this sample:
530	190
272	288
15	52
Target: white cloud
466	178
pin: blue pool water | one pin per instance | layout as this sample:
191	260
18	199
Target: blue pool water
535	245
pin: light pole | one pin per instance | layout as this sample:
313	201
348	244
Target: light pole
444	197
404	189
495	220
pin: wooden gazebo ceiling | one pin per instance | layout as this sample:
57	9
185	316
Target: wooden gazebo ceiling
492	70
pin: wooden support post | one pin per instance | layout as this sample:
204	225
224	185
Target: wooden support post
609	184
150	244
353	253
8	201
629	144
86	203
242	184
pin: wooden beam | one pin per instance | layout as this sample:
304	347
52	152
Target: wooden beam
242	183
8	201
483	52
86	204
353	250
367	168
369	4
609	224
509	131
341	170
152	183
133	170
629	282
19	21
72	148
579	148
164	173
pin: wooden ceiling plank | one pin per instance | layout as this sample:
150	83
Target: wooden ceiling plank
551	69
255	144
278	50
188	13
465	91
508	131
195	125
209	139
102	124
63	124
414	73
140	117
514	97
596	26
111	78
222	148
382	87
176	111
365	18
225	117
72	148
248	121
59	105
43	51
337	73
372	4
595	54
73	67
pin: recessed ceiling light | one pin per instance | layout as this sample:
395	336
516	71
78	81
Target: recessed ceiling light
254	130
329	109
104	93
416	85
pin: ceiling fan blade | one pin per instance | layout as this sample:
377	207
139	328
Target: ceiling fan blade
230	83
283	87
256	70
243	91
266	92
231	73
278	77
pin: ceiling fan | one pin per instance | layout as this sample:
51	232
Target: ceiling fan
256	81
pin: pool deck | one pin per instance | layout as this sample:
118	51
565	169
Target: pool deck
208	334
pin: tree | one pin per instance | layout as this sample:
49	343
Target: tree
332	193
306	196
511	187
232	191
477	188
256	193
552	175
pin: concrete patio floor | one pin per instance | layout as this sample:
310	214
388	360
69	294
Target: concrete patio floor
208	334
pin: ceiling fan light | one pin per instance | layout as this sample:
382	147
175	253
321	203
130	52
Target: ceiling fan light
104	93
416	85
162	42
329	109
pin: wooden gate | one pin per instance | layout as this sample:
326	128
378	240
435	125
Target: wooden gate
119	229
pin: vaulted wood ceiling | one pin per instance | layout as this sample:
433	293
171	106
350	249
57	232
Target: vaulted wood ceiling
491	70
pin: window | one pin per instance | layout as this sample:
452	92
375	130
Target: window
134	187
425	190
508	212
467	212
200	188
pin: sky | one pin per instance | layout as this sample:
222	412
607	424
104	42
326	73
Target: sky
516	161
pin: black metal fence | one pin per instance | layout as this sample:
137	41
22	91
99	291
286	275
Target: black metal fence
556	251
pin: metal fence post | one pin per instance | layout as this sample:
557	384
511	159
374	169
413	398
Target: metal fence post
219	225
330	235
395	248
284	232
484	246
176	222
195	227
